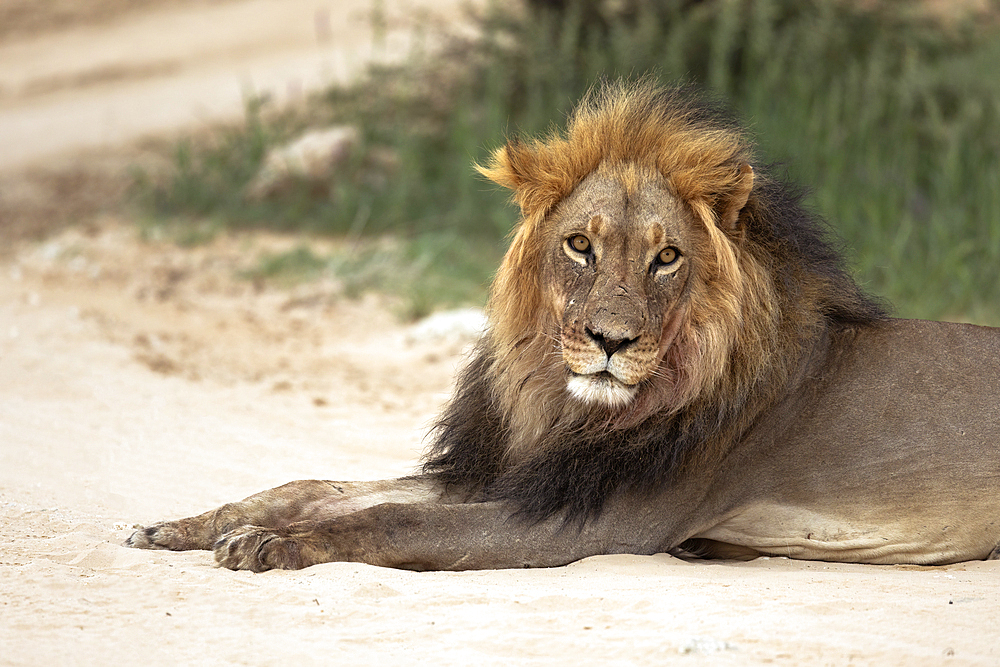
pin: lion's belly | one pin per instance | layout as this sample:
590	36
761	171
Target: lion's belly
782	530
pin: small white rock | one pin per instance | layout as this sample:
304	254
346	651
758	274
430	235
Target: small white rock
312	156
463	325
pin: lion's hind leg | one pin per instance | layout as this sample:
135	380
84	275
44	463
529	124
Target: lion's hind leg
995	554
713	549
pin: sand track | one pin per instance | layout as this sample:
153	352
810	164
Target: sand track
117	77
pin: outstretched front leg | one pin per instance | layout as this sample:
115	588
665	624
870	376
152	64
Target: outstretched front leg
278	508
435	536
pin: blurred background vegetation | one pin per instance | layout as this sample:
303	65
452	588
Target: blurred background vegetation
890	116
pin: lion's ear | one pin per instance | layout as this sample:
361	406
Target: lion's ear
738	197
534	173
509	165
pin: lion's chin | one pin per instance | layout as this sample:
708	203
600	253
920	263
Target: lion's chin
601	389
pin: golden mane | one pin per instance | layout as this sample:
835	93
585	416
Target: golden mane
637	127
638	123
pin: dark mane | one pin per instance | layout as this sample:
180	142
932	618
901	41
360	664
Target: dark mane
802	253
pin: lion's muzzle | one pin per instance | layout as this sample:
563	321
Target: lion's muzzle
607	349
606	369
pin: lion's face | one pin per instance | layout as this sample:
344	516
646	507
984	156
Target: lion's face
616	270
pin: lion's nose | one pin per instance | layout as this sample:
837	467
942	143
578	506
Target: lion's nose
609	343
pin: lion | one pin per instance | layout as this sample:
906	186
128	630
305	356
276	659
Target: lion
677	361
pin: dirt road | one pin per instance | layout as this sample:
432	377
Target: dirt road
141	381
179	64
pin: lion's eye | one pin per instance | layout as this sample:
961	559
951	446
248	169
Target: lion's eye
668	256
580	243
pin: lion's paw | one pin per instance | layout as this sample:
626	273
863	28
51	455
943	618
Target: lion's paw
166	535
258	549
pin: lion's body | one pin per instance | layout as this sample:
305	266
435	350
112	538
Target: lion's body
888	451
677	361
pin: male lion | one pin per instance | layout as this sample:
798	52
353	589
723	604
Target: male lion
677	361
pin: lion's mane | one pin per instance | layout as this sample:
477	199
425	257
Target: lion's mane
767	289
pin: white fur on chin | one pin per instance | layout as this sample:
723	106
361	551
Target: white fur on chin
601	390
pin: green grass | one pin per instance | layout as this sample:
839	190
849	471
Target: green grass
423	273
891	120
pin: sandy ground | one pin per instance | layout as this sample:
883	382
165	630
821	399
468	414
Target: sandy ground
140	381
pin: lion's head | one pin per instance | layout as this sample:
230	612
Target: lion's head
657	291
622	257
625	291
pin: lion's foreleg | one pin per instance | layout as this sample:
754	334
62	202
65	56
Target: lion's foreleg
275	509
428	536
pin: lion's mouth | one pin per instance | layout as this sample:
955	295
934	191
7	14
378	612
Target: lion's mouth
601	388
